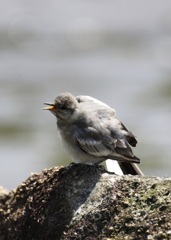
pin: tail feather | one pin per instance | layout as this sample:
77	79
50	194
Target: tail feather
130	168
123	168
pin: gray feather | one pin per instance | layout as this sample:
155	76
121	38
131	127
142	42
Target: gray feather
107	136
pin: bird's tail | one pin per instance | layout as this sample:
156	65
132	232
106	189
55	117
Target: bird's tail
123	168
130	168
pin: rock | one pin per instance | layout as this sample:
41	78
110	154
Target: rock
86	202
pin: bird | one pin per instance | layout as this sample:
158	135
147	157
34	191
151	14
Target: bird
92	133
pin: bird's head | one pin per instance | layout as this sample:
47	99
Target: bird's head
63	106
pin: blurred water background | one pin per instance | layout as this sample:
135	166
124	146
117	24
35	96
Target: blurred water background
116	51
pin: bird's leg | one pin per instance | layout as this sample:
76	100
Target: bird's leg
100	161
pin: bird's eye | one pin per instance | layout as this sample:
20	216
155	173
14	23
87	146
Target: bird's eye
62	107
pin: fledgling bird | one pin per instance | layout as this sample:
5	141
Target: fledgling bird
92	133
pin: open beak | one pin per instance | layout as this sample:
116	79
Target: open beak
49	107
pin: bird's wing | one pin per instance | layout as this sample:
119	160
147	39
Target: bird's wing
91	142
98	140
113	137
131	139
